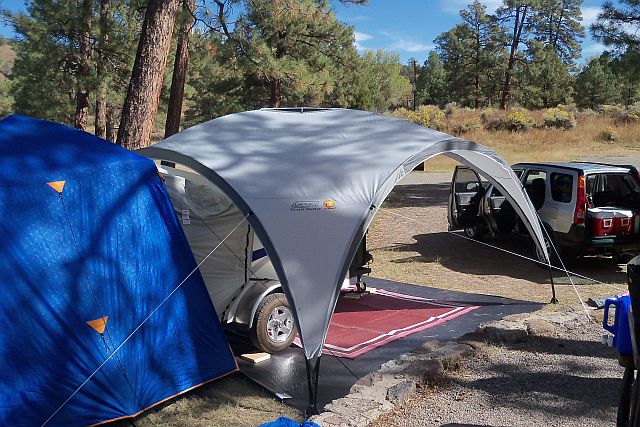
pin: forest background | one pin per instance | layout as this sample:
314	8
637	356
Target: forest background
134	71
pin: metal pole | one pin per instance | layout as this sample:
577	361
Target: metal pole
414	84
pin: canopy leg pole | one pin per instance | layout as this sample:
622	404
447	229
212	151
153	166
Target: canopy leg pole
554	300
313	371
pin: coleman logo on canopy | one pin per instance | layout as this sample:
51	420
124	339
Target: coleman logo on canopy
305	205
329	204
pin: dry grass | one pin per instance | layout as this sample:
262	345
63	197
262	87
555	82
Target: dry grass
546	145
232	401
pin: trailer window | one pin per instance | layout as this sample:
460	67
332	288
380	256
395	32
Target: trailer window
561	187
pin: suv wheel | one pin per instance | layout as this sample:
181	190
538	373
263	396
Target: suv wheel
274	328
477	232
554	257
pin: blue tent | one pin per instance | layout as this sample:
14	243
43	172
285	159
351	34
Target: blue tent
93	323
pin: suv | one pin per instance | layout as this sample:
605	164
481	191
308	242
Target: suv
586	208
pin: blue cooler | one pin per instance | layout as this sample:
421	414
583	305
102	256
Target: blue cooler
620	328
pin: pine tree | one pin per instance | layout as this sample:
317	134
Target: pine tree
546	81
141	104
618	24
518	15
557	23
596	84
432	82
294	47
472	54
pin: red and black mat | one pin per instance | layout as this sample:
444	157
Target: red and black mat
285	372
362	322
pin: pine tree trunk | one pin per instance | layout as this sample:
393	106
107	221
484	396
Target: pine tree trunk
517	36
176	96
101	95
110	123
276	94
82	92
141	104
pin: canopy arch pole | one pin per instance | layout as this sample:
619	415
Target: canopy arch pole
252	219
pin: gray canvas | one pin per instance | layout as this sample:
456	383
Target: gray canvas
311	181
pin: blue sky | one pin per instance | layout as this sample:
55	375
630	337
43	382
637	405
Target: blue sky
407	27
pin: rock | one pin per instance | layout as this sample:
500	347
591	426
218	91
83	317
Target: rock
401	392
428	346
376	393
368	379
452	353
423	371
540	328
357	411
506	332
473	339
329	419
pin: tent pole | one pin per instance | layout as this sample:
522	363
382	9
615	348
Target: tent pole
554	300
312	382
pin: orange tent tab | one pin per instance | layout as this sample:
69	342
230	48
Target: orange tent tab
99	324
57	185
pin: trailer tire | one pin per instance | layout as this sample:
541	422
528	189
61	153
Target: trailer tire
274	328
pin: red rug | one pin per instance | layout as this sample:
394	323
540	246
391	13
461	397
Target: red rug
375	319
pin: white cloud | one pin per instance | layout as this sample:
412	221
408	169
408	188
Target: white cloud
410	46
589	15
454	6
361	37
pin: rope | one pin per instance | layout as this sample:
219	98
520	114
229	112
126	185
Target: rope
563	269
342	363
107	341
142	323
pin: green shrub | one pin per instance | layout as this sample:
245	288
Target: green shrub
515	121
431	117
426	115
608	135
489	118
557	118
614	111
450	109
403	113
632	113
465	126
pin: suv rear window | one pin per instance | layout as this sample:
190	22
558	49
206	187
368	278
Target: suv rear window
616	189
561	187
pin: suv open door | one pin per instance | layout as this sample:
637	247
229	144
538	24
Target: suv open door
464	199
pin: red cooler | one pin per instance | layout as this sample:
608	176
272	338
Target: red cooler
623	221
601	221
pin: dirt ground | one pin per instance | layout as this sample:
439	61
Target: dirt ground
565	380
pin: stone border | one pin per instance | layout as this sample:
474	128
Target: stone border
398	380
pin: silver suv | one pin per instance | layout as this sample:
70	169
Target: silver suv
586	208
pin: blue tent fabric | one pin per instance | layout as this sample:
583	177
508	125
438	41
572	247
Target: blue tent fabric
107	246
287	422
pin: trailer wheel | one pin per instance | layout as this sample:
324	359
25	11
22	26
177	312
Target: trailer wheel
274	328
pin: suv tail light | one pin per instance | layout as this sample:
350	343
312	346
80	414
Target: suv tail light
581	201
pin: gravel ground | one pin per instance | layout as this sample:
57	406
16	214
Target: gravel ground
567	380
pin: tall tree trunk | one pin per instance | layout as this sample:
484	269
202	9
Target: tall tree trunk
176	96
82	91
103	82
110	125
518	25
276	93
141	104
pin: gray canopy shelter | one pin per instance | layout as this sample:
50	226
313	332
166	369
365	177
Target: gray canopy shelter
311	180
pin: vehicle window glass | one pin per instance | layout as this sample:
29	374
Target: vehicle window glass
518	172
466	181
532	175
561	187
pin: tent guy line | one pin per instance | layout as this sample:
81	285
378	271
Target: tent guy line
59	188
115	351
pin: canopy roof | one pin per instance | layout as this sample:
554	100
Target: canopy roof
311	181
